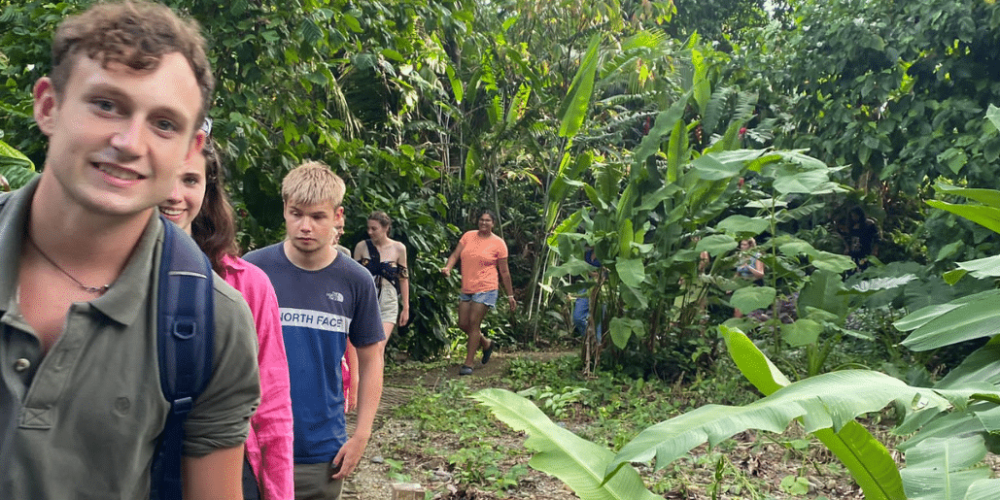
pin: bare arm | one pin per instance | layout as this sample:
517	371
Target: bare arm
404	286
352	362
370	367
360	251
505	275
216	476
452	259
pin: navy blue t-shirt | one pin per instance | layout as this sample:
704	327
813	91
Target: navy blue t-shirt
320	310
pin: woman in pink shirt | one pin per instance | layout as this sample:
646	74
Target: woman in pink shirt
482	253
199	205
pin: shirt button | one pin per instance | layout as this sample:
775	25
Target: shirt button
21	365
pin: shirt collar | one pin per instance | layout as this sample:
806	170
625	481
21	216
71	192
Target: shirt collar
233	264
13	221
127	295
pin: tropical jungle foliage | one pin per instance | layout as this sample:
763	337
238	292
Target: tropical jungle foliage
659	134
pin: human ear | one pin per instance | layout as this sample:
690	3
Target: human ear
46	105
197	144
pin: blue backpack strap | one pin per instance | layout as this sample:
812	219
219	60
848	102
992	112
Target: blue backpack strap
185	330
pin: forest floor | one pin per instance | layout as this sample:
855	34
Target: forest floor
762	466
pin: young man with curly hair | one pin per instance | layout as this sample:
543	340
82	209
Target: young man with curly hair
81	405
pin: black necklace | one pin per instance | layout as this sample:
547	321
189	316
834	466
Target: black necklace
99	290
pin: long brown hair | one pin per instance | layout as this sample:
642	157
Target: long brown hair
214	228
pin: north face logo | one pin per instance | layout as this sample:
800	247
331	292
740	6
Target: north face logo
335	296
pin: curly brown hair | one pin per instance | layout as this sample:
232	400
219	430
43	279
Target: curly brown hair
214	228
134	33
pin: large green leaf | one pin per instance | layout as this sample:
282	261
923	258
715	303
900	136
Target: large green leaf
869	461
944	469
987	267
743	225
631	272
756	367
577	462
993	115
15	166
577	102
677	151
823	292
983	489
827	401
788	181
749	298
802	332
983	365
623	328
716	244
987	217
664	124
711	167
960	320
989	197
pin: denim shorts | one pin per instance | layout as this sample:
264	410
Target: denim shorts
488	298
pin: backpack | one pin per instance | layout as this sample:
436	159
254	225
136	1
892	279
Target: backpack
185	330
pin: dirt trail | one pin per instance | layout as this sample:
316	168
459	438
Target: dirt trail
371	479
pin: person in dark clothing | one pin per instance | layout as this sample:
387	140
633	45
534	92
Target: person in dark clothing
860	237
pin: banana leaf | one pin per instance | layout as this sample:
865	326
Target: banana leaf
825	404
577	462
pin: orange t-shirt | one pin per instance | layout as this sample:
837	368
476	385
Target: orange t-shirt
479	262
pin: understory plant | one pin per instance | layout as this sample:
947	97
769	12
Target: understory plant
826	406
952	424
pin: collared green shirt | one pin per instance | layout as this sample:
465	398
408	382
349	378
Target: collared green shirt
82	421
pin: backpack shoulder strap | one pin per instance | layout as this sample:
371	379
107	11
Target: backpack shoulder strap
185	332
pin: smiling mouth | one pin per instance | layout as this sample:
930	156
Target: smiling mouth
171	212
118	173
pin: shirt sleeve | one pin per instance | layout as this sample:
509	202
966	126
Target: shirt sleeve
272	424
501	248
221	414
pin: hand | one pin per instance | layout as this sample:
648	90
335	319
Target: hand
349	456
446	271
404	317
512	302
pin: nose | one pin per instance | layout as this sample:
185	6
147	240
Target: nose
306	226
130	141
175	193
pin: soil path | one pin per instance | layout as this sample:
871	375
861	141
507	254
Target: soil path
371	480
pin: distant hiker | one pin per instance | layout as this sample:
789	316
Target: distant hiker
385	259
749	267
482	253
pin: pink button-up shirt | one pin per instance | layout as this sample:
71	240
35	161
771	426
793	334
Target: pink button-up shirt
269	444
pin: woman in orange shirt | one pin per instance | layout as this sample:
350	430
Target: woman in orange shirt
482	253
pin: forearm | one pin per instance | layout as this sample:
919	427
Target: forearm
404	287
507	285
370	388
216	476
452	260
